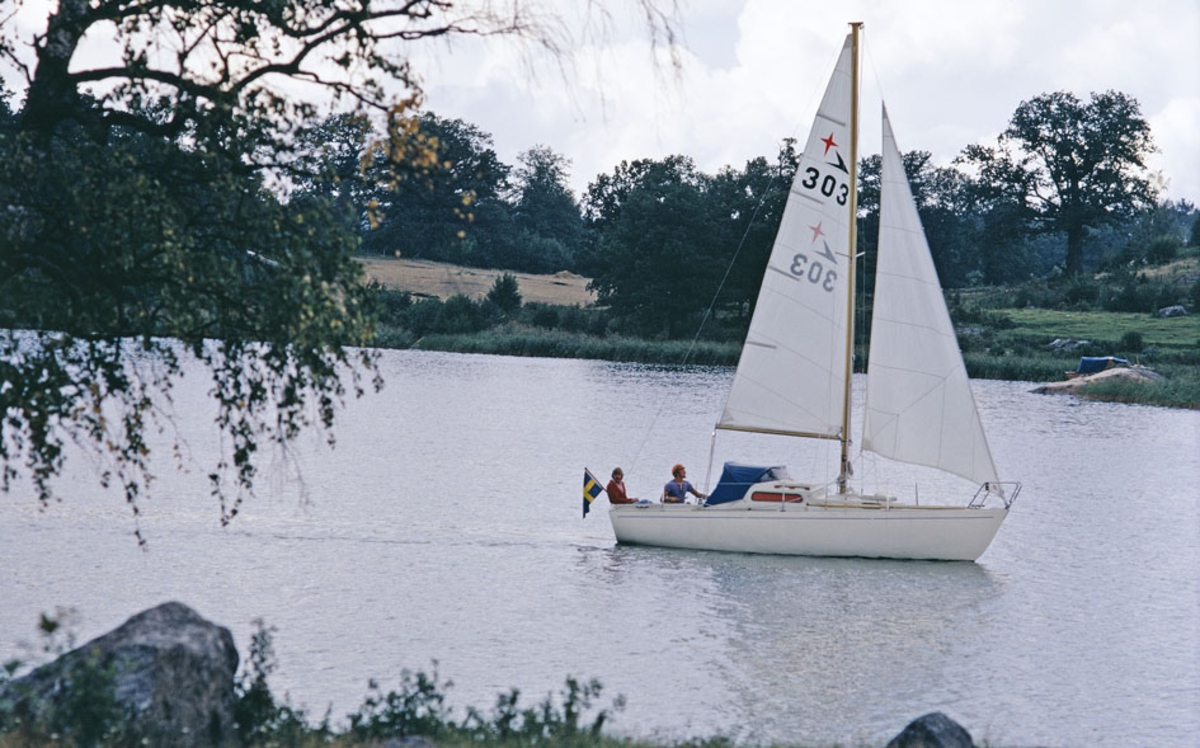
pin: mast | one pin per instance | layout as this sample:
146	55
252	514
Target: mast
846	469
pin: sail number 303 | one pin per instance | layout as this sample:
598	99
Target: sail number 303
813	271
827	185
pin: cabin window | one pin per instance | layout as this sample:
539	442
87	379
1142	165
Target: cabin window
790	498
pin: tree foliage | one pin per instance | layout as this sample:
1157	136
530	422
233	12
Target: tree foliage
668	243
441	213
1068	166
546	218
505	293
176	195
652	260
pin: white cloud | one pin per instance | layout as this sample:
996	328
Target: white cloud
952	73
1176	130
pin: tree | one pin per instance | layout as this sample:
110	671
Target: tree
959	223
1074	165
749	203
431	213
330	166
127	260
655	243
147	217
505	293
545	215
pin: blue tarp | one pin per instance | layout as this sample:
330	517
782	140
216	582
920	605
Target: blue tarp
1093	364
736	479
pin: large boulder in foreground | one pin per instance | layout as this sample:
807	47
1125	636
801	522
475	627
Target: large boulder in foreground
933	730
166	674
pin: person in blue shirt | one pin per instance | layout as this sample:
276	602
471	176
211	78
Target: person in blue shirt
677	489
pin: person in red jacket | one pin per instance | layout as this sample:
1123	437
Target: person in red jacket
616	488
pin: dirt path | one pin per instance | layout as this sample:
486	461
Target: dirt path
428	279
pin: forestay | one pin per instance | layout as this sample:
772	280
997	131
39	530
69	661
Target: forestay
919	407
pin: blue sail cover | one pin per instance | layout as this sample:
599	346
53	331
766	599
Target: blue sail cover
736	479
1093	364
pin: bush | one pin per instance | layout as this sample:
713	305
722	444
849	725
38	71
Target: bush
506	293
1163	249
1080	292
393	305
1132	342
421	318
257	717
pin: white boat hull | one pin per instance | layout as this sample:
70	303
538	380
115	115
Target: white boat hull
896	531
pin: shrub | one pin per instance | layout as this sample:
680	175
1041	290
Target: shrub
258	718
573	319
544	316
393	305
418	708
506	293
460	315
422	317
85	709
1163	249
1132	342
1080	292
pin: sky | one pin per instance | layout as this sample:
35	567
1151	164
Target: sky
752	73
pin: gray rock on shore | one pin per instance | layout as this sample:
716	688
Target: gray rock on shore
171	675
933	730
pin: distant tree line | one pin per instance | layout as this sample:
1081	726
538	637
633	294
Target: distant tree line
1063	191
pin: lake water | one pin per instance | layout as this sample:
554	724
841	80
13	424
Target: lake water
445	526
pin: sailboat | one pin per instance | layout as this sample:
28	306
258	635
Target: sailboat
794	379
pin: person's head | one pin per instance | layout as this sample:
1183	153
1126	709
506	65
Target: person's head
679	471
618	473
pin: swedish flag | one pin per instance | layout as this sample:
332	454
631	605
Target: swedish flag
591	490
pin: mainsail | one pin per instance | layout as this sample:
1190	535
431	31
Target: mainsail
792	374
919	407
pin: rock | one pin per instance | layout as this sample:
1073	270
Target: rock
1064	345
1172	311
934	730
1072	386
166	674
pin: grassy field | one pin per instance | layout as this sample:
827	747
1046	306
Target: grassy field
427	279
1173	332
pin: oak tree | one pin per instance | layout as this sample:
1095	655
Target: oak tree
1073	165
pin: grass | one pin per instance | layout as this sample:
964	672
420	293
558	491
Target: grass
1173	333
1179	392
1020	353
517	340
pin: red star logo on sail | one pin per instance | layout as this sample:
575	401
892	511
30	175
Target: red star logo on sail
829	143
817	231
